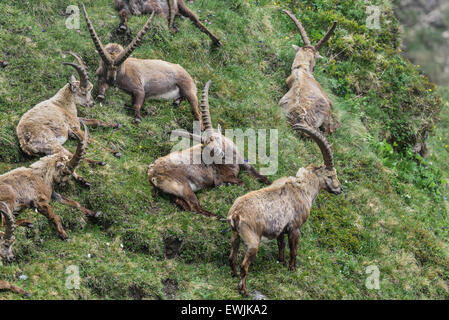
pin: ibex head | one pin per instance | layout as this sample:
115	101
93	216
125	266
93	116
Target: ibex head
81	89
306	55
211	140
112	56
326	173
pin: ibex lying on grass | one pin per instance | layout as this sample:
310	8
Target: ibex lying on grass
48	125
33	188
168	8
177	175
280	209
306	101
154	79
3	64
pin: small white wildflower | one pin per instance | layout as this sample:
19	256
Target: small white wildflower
23	277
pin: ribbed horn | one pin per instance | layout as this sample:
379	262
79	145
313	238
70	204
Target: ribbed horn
207	122
80	150
10	226
301	29
100	48
81	69
134	44
326	37
321	141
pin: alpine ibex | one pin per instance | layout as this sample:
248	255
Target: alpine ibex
280	209
168	8
154	79
48	125
3	64
33	188
306	101
177	175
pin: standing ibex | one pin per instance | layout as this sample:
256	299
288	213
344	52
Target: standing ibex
33	188
154	79
306	102
48	125
168	8
177	175
280	209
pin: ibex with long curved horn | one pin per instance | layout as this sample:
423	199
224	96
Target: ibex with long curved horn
155	79
168	8
47	126
178	173
33	187
280	209
306	101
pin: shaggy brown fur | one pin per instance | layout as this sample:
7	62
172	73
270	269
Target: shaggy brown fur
47	126
176	174
306	101
279	209
168	8
33	188
155	79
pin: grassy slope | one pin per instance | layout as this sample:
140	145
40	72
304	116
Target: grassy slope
382	219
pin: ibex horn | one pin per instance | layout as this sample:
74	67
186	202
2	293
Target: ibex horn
134	44
81	69
301	29
80	150
321	141
326	37
100	48
10	225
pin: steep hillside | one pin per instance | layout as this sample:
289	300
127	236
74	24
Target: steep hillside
393	214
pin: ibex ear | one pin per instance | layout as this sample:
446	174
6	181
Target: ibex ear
72	82
296	47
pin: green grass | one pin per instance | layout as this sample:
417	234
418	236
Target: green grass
393	213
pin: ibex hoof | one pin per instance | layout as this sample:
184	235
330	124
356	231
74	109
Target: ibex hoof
4	64
118	126
27	294
97	214
67	239
137	120
102	164
117	155
217	43
122	27
101	97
